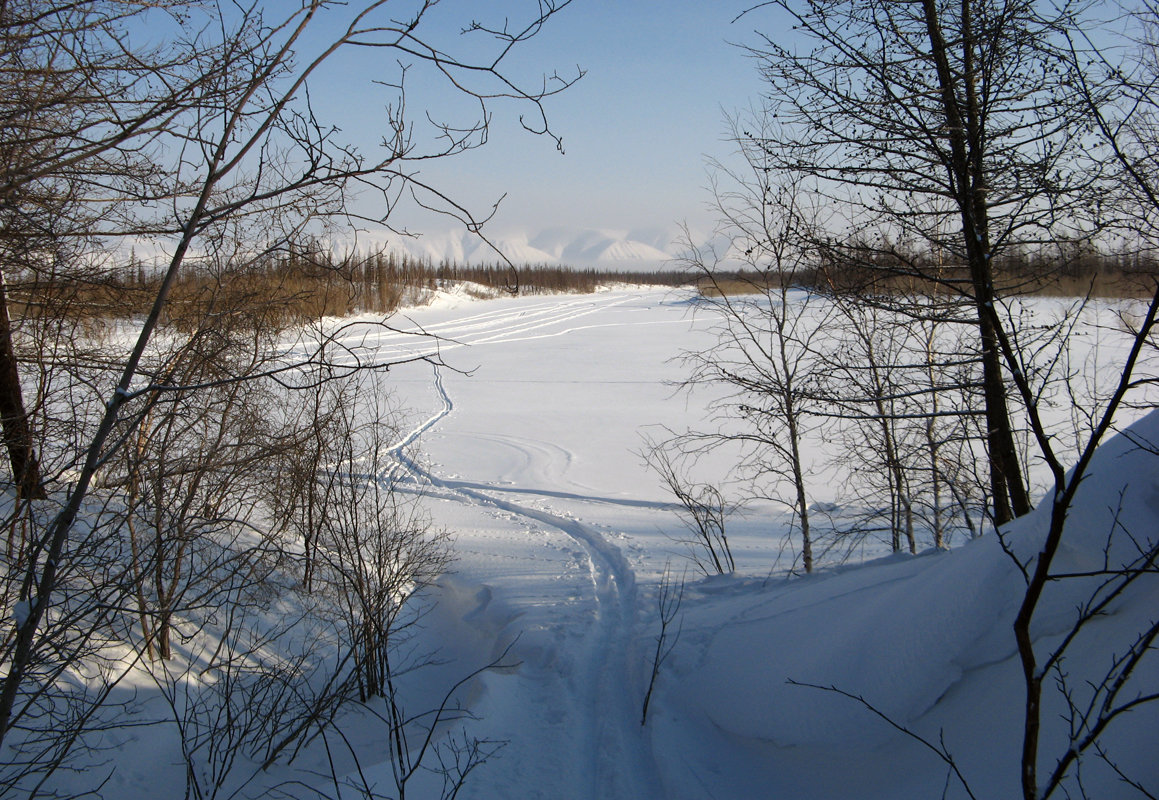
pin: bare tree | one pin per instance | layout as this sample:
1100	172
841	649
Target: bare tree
81	112
991	115
757	291
1130	557
867	384
947	126
899	395
208	141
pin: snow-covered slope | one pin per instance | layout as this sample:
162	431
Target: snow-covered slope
572	247
926	641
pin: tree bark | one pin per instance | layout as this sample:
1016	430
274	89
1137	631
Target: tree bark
16	431
967	162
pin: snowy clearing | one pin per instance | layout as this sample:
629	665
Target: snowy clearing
526	448
532	463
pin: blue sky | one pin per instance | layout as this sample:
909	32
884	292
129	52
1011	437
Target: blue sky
637	129
638	126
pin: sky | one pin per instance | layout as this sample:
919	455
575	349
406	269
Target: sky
637	129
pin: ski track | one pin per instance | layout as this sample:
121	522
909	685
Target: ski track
611	754
624	502
539	321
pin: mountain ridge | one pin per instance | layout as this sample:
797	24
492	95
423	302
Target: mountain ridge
582	248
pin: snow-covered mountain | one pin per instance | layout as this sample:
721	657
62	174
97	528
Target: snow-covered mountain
643	249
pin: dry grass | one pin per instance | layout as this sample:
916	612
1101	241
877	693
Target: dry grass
730	287
295	288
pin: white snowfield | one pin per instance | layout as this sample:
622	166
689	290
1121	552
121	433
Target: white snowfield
526	448
530	457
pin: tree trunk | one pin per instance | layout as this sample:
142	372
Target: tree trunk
13	417
967	162
799	485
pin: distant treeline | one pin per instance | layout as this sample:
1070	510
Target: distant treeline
298	286
865	271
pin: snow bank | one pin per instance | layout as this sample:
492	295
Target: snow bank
927	641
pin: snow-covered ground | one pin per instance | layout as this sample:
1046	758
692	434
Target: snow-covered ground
526	447
530	443
532	462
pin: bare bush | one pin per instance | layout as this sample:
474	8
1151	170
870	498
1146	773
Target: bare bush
704	512
669	597
376	546
201	138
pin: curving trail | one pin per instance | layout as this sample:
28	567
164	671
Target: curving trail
590	739
608	745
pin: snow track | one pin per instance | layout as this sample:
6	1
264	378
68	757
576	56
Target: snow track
532	320
591	743
609	749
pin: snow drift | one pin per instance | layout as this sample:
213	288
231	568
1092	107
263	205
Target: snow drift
927	642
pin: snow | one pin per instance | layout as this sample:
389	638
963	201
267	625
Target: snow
643	249
534	465
21	611
529	442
